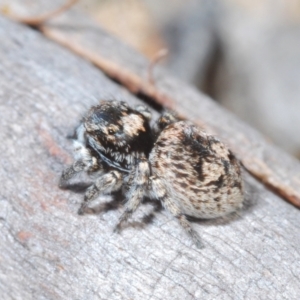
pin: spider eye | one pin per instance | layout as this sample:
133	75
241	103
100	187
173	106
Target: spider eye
111	131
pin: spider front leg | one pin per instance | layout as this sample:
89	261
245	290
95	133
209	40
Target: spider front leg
78	166
138	183
159	192
107	183
84	160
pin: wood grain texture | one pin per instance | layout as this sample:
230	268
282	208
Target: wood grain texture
47	251
258	155
262	159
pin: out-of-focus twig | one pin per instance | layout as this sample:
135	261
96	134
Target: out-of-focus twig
134	83
40	20
158	56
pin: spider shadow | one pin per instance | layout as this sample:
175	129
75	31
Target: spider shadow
147	218
219	221
78	188
112	202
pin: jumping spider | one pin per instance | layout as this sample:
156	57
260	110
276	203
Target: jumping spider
190	172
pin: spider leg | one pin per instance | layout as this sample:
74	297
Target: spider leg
144	111
138	182
84	160
71	171
168	117
159	192
107	183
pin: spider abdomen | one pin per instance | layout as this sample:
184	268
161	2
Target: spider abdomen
198	172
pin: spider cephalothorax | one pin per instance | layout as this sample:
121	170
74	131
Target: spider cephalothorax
118	133
189	171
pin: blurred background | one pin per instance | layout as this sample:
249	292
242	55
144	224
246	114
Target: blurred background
244	54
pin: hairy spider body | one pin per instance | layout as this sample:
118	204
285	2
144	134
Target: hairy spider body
190	172
118	134
196	170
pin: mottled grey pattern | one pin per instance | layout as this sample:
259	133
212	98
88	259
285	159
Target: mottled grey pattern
200	175
190	172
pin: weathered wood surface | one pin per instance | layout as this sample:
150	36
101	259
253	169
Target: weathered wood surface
47	251
80	34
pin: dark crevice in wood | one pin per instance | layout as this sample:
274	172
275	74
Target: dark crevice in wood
34	27
140	95
209	84
150	101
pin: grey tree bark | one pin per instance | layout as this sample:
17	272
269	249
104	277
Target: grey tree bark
47	251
